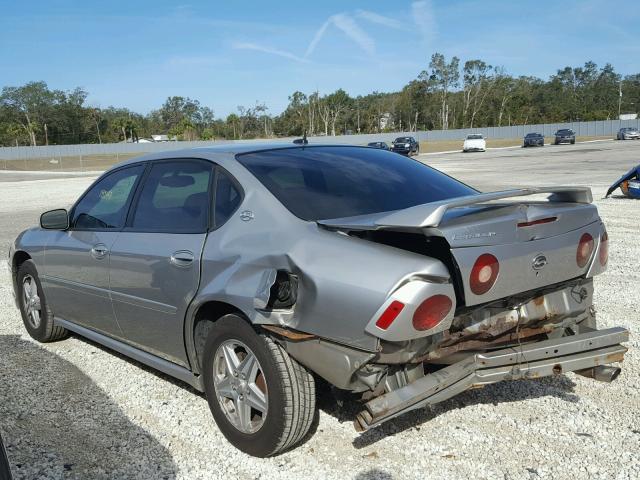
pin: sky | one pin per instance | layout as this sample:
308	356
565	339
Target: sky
225	54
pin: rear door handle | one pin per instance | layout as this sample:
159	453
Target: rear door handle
99	250
182	258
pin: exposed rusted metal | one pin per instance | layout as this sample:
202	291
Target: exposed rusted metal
578	353
475	344
288	333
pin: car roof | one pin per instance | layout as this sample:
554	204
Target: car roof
218	152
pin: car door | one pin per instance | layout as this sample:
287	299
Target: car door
76	264
155	261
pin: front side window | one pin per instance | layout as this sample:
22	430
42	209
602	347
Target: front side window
175	198
318	183
104	206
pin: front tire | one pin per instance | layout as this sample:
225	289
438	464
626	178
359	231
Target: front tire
262	400
36	315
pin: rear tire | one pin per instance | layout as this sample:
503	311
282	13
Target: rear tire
36	315
277	393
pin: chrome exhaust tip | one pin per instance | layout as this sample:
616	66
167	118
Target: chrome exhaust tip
602	373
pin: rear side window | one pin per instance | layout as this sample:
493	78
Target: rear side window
175	198
318	183
228	198
104	206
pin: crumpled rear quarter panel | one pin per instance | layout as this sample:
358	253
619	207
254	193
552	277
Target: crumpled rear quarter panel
342	280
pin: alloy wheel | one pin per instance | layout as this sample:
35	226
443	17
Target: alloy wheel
31	301
240	386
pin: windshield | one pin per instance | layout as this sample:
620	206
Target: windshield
533	135
474	136
403	140
318	183
565	132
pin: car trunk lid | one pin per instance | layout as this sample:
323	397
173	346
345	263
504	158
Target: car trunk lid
535	242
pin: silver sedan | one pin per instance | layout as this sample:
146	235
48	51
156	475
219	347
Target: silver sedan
251	271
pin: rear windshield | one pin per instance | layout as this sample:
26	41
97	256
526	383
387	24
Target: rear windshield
318	183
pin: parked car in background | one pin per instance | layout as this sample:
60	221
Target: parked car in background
380	145
564	135
405	146
628	133
246	269
533	140
474	142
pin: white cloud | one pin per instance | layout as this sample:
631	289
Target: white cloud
317	37
269	50
423	17
343	22
352	30
349	27
378	19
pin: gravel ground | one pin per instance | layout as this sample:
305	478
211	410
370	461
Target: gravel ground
75	410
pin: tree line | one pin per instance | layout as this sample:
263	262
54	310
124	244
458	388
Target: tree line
447	94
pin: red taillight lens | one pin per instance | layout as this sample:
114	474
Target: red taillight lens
585	249
431	312
604	248
389	315
484	274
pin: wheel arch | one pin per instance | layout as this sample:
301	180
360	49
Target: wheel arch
198	325
18	258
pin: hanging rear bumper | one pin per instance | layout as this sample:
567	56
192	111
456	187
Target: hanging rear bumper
577	353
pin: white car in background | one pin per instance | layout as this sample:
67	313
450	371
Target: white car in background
474	143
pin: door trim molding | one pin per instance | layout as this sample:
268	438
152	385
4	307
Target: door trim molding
82	288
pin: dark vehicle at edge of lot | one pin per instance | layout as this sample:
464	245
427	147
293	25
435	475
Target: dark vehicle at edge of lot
405	146
5	471
380	145
565	135
533	140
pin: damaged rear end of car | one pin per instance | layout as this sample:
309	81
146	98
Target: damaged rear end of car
517	303
420	287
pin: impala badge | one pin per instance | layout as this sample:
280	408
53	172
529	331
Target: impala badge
539	262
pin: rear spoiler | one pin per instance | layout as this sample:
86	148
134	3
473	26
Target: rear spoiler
431	214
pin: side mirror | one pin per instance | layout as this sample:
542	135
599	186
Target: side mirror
55	219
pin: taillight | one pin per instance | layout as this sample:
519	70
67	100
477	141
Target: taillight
604	248
484	274
431	312
389	315
585	249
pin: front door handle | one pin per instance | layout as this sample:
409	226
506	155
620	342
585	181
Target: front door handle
99	250
182	258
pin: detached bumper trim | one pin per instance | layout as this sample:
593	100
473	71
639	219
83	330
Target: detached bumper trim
540	359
